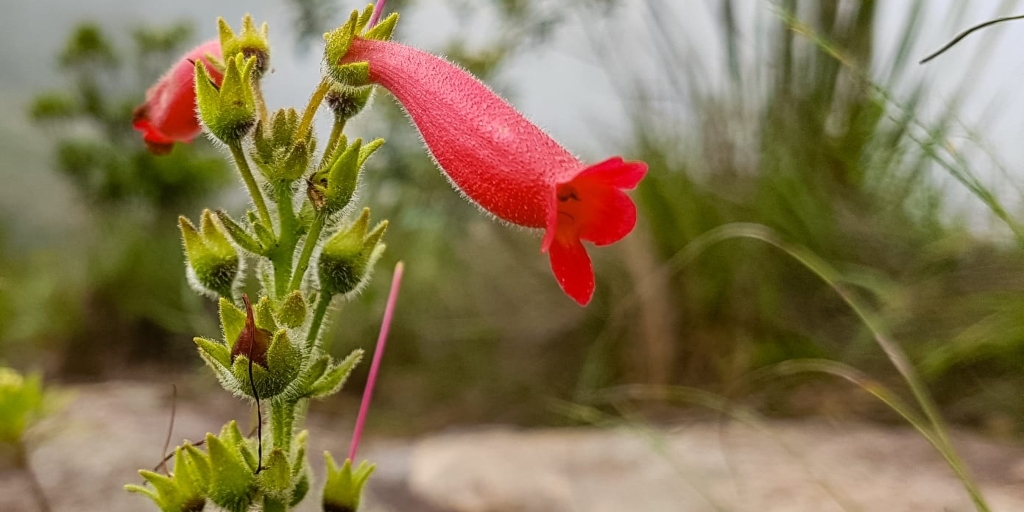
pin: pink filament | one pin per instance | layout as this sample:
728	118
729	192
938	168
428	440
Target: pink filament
377	10
378	354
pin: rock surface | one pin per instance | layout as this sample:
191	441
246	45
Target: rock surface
791	467
96	445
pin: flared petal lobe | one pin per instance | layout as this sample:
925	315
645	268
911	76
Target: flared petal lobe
573	270
169	112
593	207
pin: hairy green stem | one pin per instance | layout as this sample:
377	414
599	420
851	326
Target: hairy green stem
272	505
282	423
250	183
318	319
314	103
307	250
284	253
261	103
332	141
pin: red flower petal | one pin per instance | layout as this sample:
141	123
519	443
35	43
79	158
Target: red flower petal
573	270
616	172
617	215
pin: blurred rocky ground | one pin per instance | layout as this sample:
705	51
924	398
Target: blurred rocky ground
89	451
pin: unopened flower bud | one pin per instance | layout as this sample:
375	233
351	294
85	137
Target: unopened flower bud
275	360
347	101
228	111
279	155
251	42
348	257
344	488
212	261
332	188
232	481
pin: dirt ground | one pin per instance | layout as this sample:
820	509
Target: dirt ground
88	452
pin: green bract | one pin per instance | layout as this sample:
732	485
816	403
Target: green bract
184	490
339	40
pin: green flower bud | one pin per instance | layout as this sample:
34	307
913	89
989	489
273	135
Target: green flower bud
347	257
347	101
339	40
344	487
279	156
249	43
183	491
332	188
249	334
276	360
232	462
229	112
213	262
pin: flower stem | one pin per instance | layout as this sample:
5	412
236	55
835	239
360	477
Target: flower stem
261	103
307	250
332	141
318	319
287	241
250	183
378	354
282	423
314	103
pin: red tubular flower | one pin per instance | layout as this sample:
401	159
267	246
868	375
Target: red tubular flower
169	113
505	163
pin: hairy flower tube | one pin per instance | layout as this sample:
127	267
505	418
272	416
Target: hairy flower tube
169	112
499	159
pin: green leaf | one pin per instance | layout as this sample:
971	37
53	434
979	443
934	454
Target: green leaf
232	321
215	351
335	378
